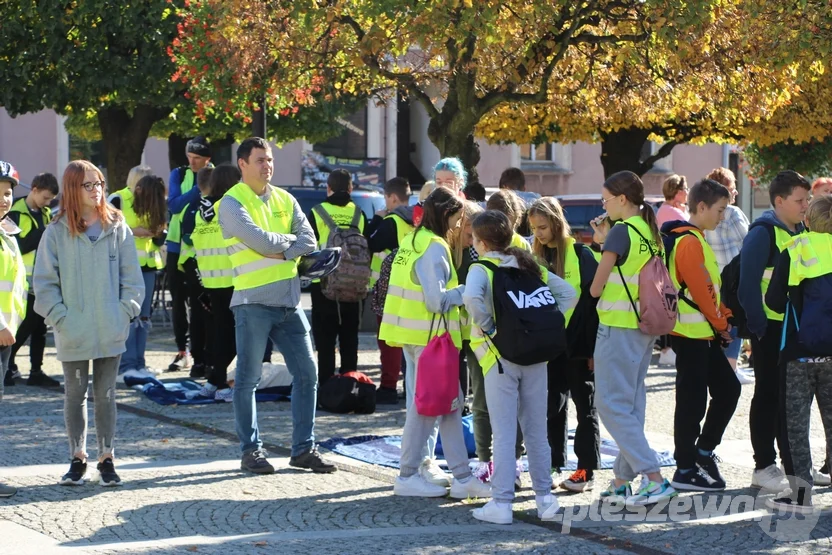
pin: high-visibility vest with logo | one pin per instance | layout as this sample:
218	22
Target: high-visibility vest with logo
149	255
811	257
27	223
211	253
402	229
341	215
781	239
614	306
406	320
482	346
13	286
175	226
689	321
249	268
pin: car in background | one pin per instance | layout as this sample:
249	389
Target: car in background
579	210
370	200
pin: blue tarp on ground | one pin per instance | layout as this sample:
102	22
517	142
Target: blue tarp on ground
176	392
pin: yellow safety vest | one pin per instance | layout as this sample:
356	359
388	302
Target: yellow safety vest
27	223
406	319
175	226
211	252
13	286
614	307
483	347
781	239
149	255
689	321
402	229
249	268
811	257
572	276
342	216
518	241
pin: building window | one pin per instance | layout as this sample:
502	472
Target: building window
557	155
352	142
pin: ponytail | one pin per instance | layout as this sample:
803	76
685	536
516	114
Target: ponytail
649	216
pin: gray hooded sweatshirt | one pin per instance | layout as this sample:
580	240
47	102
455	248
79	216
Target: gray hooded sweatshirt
88	292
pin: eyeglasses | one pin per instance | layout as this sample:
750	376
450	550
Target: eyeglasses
92	185
604	201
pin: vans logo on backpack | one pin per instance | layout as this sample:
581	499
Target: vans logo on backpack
539	297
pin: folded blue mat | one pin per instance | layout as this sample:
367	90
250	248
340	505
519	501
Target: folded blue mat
176	392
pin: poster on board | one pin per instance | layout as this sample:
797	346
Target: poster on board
315	169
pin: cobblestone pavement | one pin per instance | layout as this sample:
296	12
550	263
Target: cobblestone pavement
183	491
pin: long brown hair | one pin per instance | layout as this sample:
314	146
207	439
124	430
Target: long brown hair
223	178
437	209
507	202
493	228
71	203
470	210
550	209
629	184
150	204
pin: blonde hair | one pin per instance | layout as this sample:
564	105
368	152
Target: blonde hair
819	214
469	210
550	208
136	173
673	185
426	189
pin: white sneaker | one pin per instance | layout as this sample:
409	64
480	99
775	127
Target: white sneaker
820	478
667	358
745	378
547	507
153	371
416	486
430	471
473	488
226	395
651	493
493	512
770	478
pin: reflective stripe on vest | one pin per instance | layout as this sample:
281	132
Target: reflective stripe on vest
149	255
211	253
482	346
406	320
402	229
690	322
27	223
249	268
175	226
614	307
811	257
781	239
13	286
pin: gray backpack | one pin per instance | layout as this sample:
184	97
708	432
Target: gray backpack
350	281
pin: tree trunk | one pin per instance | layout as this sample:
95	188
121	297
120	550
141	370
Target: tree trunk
176	151
622	151
124	136
456	139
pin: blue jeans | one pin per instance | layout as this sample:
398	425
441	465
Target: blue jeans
133	357
288	328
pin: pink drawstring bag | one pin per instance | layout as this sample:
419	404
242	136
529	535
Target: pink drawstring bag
437	377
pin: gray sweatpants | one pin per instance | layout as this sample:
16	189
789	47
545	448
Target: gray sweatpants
622	357
410	391
76	383
418	428
518	391
805	380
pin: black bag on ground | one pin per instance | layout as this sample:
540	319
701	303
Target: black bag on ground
343	394
530	327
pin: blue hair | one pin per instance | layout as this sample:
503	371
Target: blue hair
453	165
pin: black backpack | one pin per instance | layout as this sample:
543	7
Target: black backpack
731	285
343	394
530	327
582	331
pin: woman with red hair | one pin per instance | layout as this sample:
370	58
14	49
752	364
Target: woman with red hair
88	287
822	186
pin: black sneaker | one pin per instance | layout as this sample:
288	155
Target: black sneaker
38	378
789	505
313	461
8	379
107	474
198	371
695	480
708	464
75	476
180	362
386	396
825	468
256	462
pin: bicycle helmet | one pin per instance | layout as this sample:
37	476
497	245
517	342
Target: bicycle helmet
318	264
8	173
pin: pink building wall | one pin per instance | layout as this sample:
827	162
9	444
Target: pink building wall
30	143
